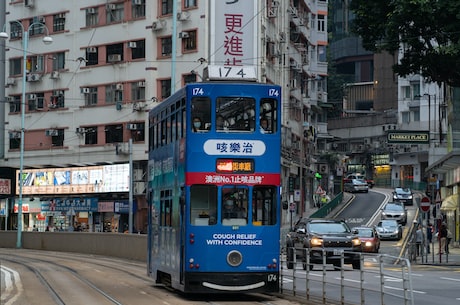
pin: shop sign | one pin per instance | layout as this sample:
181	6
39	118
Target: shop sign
66	204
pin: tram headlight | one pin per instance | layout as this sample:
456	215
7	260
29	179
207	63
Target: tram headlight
234	258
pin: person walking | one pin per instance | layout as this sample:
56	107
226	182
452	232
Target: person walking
442	238
418	240
448	239
429	236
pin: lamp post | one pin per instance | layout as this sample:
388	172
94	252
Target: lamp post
25	41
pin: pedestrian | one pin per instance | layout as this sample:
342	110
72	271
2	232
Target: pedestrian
442	238
429	236
418	239
448	239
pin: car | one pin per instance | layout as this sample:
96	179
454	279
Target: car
317	234
355	185
370	182
396	211
404	195
389	229
370	241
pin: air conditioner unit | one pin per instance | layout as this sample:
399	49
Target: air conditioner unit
137	2
122	148
80	130
119	87
54	75
32	97
141	84
272	12
182	16
323	168
320	96
157	25
111	6
51	132
85	90
33	77
29	3
184	35
11	81
139	106
91	11
114	58
132	44
138	174
132	126
293	11
91	50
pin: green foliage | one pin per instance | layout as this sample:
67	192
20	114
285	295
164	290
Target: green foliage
426	34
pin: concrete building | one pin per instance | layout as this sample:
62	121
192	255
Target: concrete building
88	93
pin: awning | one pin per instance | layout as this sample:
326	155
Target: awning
450	203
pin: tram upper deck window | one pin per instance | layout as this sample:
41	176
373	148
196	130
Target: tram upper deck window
203	205
235	114
201	114
268	115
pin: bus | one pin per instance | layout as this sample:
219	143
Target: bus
214	188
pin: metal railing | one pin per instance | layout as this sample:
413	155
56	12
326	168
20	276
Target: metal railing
381	279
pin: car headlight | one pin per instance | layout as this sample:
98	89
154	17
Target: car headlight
410	197
356	242
368	244
316	242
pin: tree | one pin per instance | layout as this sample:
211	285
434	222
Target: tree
424	32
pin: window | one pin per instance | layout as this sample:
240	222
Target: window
322	54
137	49
114	53
203	205
166	7
138	8
268	115
165	86
58	61
114	12
15	140
90	96
166	46
15	66
92	16
415	89
166	208
114	133
264	205
416	112
92	57
237	113
58	140
137	131
37	26
321	23
90	135
189	43
234	206
138	91
15	103
405	117
201	113
57	99
113	93
35	101
405	92
15	29
35	64
189	3
59	22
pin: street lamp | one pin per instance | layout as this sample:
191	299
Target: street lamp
25	41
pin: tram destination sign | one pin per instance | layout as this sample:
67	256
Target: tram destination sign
401	136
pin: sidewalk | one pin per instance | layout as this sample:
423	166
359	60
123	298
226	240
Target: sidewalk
435	259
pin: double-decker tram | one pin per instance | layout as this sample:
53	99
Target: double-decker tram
214	186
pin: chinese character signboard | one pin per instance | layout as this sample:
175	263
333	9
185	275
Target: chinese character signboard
233	32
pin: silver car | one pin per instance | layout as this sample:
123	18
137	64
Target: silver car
389	229
395	211
355	185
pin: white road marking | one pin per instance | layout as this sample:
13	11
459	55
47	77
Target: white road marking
12	279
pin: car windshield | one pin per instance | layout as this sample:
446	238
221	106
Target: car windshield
328	227
388	223
394	207
365	232
403	191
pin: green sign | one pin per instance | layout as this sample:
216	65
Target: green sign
418	137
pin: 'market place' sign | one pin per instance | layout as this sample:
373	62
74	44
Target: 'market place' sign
419	137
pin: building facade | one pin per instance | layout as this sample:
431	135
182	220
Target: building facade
87	94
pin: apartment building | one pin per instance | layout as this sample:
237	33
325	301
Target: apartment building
105	64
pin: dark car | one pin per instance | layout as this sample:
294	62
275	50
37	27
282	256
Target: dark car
355	185
370	241
315	235
404	195
395	211
389	229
